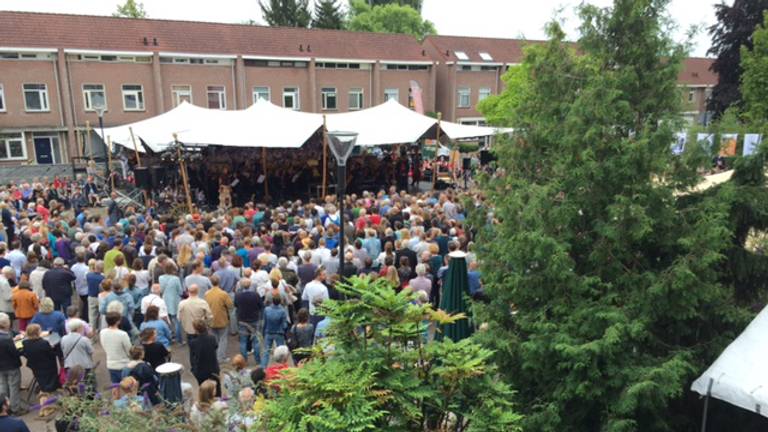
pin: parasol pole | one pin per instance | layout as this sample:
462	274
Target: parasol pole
183	169
325	155
111	178
437	150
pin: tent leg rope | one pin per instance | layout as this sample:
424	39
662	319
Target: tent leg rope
706	406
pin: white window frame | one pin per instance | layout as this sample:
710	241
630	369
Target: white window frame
461	55
392	93
256	93
42	94
2	99
327	93
180	90
359	97
295	94
483	93
57	152
463	92
88	96
219	90
5	142
138	94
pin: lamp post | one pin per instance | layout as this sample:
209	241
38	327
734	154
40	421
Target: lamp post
100	109
341	144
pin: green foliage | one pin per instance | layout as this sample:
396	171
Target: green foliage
328	15
754	80
416	4
389	18
606	294
497	108
375	372
286	13
130	9
98	415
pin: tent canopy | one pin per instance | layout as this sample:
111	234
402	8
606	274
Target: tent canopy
267	125
739	376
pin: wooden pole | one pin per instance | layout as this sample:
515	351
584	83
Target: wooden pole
135	147
88	141
437	149
264	172
111	178
325	156
183	169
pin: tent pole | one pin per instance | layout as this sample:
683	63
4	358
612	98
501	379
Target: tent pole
325	156
88	139
437	149
706	406
264	169
111	178
183	169
135	147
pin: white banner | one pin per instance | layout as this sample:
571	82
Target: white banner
751	143
706	140
681	139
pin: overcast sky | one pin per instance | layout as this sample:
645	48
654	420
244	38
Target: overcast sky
491	18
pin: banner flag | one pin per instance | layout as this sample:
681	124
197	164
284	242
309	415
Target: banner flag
706	140
751	143
728	144
681	139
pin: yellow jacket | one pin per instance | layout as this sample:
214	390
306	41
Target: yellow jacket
221	304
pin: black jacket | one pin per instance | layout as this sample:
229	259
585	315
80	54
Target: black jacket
40	355
202	355
10	358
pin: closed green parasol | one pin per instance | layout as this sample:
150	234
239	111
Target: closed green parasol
456	286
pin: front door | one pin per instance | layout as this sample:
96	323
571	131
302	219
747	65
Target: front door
44	150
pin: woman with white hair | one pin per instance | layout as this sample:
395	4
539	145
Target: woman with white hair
421	282
281	356
49	320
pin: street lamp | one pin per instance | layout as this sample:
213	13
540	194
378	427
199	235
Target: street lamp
100	109
341	144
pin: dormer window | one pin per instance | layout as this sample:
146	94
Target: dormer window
461	55
485	56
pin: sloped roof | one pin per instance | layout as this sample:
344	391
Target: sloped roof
696	71
48	30
501	50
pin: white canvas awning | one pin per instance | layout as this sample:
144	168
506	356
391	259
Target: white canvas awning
457	131
388	123
739	375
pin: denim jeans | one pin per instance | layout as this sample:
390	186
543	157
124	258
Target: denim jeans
278	339
10	385
221	335
176	326
246	335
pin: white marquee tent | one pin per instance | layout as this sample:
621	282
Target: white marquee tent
739	376
267	125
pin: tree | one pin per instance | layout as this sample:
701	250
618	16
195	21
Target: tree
734	29
130	9
375	372
754	79
605	291
416	4
286	13
496	108
328	15
390	18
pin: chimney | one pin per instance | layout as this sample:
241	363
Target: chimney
423	53
146	42
154	41
301	47
309	48
447	53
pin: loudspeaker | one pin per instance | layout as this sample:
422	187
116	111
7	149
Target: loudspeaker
486	157
143	177
466	163
158	175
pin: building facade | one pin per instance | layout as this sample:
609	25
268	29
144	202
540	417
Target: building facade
56	70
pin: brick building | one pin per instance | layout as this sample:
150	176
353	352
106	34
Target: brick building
55	68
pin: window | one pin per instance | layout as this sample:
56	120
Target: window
291	98
485	56
461	55
405	67
356	99
328	98
691	95
261	93
181	93
2	99
133	97
94	97
464	98
391	93
36	97
483	93
12	146
217	97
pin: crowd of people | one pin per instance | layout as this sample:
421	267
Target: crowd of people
138	285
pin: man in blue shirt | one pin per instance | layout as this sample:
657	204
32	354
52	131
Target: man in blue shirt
94	280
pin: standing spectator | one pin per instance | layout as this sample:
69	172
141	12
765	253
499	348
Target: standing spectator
80	270
10	372
275	325
109	257
250	308
36	277
78	349
154	299
25	304
198	278
17	258
57	283
117	346
303	333
155	353
7	281
315	290
170	286
192	309
281	356
93	279
221	304
152	320
202	355
41	358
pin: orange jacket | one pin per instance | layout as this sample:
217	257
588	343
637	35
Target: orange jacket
25	303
